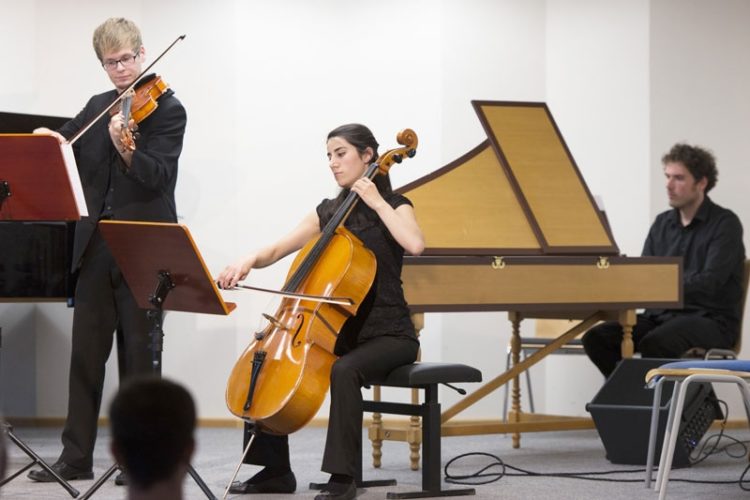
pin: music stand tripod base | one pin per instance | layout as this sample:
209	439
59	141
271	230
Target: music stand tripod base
8	429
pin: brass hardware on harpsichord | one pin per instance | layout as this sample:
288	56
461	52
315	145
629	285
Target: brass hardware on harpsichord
498	263
602	263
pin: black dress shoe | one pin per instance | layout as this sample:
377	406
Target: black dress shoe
121	479
338	491
63	470
286	483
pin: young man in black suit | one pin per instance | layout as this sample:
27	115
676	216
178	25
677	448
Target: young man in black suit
119	182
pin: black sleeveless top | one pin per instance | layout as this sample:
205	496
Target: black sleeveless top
384	310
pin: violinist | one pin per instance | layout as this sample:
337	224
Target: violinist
379	338
129	183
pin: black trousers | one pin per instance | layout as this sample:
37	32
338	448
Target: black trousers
103	303
662	337
369	361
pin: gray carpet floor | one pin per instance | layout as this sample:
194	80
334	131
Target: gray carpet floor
544	453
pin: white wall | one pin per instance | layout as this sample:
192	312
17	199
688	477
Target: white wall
597	89
263	82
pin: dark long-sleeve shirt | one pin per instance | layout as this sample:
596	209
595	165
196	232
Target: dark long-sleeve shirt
142	192
713	259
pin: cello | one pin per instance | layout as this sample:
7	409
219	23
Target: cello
281	379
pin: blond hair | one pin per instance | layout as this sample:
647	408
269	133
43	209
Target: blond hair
116	33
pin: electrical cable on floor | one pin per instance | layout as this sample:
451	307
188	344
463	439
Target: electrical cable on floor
710	446
700	453
744	481
483	477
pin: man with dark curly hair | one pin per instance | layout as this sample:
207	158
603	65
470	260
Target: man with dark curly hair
709	239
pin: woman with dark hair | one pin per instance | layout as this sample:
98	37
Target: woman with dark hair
378	339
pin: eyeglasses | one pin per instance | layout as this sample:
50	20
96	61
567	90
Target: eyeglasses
126	60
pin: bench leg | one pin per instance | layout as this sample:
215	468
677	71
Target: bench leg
431	435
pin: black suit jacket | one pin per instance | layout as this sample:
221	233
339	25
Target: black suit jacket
143	192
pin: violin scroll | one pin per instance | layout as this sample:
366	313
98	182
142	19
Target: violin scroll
408	138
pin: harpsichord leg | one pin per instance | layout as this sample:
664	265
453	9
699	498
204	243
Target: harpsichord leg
515	350
627	320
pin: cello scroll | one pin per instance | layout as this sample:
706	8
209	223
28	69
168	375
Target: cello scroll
408	139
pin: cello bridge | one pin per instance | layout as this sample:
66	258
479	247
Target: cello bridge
275	322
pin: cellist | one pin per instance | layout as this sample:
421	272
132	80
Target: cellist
378	339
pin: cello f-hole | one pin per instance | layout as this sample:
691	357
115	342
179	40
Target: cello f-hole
300	321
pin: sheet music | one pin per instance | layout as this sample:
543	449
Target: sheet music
75	180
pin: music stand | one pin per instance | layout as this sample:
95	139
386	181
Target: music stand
38	182
165	271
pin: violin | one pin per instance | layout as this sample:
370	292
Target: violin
125	93
138	104
281	379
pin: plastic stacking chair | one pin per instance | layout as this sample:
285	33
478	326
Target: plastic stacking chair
684	373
